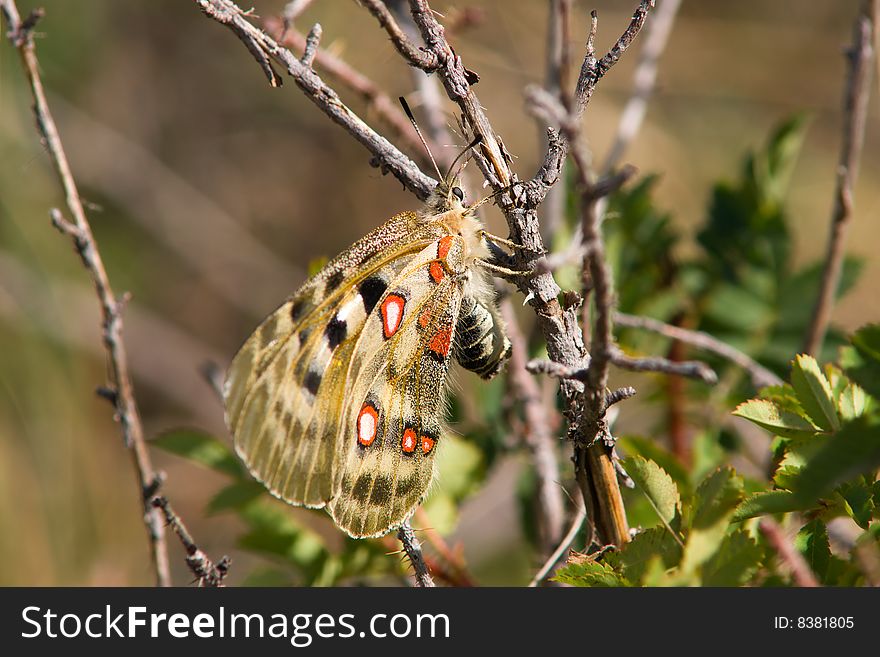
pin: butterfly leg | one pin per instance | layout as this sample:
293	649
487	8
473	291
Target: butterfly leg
503	272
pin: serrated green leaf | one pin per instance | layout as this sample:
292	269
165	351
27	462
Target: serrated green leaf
657	486
716	498
774	501
852	451
861	362
701	546
778	421
236	496
784	397
589	573
632	559
814	392
650	449
785	476
859	499
201	448
735	562
853	402
812	542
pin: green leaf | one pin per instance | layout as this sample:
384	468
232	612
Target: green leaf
774	419
651	449
236	495
657	486
853	402
759	504
701	546
274	531
201	448
633	558
862	361
589	573
735	562
814	392
859	499
812	542
852	451
716	498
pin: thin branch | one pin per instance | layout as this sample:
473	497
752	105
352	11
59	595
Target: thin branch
20	35
536	435
453	557
413	550
208	574
262	47
759	374
800	569
415	56
855	110
693	369
562	549
644	80
385	108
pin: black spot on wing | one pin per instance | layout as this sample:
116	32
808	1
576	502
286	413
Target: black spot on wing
334	281
336	331
297	309
312	381
361	489
382	491
371	290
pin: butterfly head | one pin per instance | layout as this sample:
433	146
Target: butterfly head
448	196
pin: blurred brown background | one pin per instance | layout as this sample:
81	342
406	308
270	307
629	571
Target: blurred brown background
211	192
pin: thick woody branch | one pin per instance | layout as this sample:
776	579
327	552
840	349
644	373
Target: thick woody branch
120	392
264	49
759	374
855	110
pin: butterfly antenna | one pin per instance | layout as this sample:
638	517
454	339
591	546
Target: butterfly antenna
466	152
415	125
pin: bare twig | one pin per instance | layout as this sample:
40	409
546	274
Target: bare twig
453	557
800	569
536	435
562	549
759	374
263	47
415	56
858	90
20	35
413	550
208	574
692	369
377	100
644	81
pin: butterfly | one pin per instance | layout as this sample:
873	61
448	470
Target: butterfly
336	400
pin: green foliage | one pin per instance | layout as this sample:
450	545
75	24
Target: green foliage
827	454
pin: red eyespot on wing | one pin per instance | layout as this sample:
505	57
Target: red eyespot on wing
436	271
427	444
409	441
444	245
392	314
367	425
442	341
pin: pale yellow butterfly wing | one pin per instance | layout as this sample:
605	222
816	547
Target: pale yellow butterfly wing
284	391
393	425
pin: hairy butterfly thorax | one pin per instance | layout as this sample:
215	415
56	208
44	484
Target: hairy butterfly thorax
336	400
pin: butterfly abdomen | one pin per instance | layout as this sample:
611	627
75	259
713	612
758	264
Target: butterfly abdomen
481	344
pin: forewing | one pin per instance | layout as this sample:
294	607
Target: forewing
393	425
286	388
